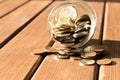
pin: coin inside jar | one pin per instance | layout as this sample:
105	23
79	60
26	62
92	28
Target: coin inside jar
67	13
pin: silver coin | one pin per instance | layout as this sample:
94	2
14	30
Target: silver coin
80	34
87	62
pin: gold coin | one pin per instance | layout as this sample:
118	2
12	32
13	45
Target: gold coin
104	61
51	50
88	55
38	51
87	62
67	14
63	35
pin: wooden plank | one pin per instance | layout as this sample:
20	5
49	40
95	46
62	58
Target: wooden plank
2	1
66	69
9	6
16	60
17	20
112	39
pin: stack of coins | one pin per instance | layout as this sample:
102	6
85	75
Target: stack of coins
70	35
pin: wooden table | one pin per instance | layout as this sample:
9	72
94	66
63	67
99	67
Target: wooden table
23	27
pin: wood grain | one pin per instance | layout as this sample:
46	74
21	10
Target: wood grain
9	5
66	69
17	20
16	60
112	39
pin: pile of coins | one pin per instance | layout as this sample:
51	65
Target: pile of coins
87	56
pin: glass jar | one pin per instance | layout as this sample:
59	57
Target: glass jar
72	23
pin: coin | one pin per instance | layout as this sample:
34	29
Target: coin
104	61
68	40
96	48
62	56
62	35
80	34
85	17
88	55
67	13
75	57
87	49
99	50
51	50
82	29
67	44
38	51
62	52
87	61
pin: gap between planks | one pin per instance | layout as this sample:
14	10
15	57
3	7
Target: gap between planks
112	39
15	27
11	6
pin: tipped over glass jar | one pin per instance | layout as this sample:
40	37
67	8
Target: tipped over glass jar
72	23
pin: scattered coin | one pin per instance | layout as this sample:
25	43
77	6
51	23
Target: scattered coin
96	48
63	52
88	55
87	61
51	50
62	56
38	51
104	61
41	51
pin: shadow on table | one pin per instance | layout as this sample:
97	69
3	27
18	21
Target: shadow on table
113	45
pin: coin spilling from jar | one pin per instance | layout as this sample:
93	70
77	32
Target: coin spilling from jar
87	56
72	32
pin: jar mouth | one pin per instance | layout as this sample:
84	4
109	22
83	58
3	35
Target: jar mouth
88	10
